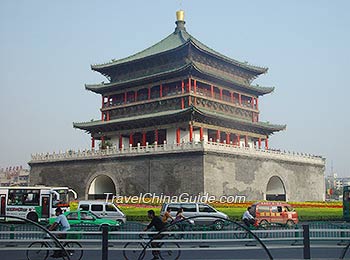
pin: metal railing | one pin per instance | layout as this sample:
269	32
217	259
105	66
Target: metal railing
186	237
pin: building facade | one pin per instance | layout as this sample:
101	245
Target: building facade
14	176
181	117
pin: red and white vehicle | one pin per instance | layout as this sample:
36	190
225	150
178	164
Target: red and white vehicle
274	212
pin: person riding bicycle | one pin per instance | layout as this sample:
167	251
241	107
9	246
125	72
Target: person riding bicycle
62	224
159	225
247	218
167	216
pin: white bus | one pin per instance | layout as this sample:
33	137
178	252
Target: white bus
35	203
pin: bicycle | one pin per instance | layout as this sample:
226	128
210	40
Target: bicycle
135	248
41	250
252	227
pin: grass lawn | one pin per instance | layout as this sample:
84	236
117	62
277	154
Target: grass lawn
235	213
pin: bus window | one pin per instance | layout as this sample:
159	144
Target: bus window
24	197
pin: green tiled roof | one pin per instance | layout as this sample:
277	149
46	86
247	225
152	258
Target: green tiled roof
90	124
264	125
205	112
195	65
175	40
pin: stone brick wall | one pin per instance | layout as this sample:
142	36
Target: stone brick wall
192	172
168	173
239	175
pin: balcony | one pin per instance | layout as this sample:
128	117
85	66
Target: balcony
176	148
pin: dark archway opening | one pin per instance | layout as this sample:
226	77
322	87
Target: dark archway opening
100	186
275	189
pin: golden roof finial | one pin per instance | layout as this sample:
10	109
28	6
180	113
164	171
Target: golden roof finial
180	15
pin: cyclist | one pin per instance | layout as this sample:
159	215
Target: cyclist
167	216
159	225
247	218
62	224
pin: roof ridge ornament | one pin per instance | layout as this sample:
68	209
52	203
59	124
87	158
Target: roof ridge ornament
180	21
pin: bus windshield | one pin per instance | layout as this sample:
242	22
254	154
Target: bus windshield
64	196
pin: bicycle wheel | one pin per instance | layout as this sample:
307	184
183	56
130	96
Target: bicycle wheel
241	233
170	250
132	250
37	251
260	231
74	250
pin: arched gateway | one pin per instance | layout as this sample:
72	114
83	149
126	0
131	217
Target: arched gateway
275	189
99	186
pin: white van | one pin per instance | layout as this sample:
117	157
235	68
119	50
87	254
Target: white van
103	209
204	213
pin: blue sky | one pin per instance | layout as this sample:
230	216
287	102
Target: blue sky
47	47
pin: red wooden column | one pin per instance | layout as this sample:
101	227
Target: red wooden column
259	143
102	141
125	97
195	91
267	143
131	139
252	101
178	131
227	138
217	136
182	92
191	132
92	143
240	99
201	136
221	94
232	97
238	140
245	141
156	135
103	103
108	118
120	141
161	90
257	103
149	93
189	91
212	91
143	138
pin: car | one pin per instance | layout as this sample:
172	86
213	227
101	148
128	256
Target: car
103	209
204	213
77	217
274	212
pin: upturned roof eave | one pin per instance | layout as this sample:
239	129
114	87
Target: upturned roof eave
183	37
138	56
100	88
266	126
258	89
88	126
255	69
